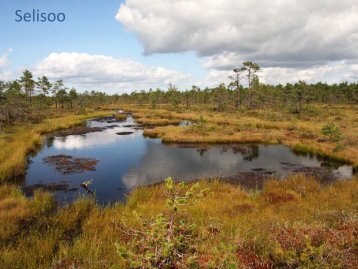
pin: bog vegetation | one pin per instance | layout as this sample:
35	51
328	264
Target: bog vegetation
294	223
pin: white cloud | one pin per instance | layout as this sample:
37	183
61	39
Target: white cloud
4	59
100	72
346	70
276	33
334	72
214	78
5	74
104	72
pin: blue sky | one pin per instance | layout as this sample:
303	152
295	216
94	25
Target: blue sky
90	27
147	44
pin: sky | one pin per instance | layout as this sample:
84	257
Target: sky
121	46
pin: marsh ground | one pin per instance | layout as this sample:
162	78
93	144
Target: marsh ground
302	132
292	223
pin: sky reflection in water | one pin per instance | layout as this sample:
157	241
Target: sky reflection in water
132	160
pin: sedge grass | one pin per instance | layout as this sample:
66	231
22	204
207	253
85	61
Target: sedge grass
302	133
229	219
269	226
17	141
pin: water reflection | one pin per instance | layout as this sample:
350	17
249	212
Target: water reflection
127	161
90	140
185	163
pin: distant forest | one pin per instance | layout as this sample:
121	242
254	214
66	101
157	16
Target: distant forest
27	99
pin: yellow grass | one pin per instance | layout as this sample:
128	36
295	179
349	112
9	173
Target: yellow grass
157	121
17	141
229	219
302	133
295	221
120	116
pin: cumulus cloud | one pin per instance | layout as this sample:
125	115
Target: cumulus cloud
214	78
5	73
334	72
276	33
99	71
4	59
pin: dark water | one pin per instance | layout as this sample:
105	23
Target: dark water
127	161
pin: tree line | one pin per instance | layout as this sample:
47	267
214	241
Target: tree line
28	99
234	95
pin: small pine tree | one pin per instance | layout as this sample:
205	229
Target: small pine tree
332	132
168	240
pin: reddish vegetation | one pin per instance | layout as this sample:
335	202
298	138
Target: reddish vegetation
290	134
239	209
340	241
68	264
204	260
68	165
279	197
249	259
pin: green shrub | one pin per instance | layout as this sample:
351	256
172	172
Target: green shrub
167	241
200	127
307	256
332	132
